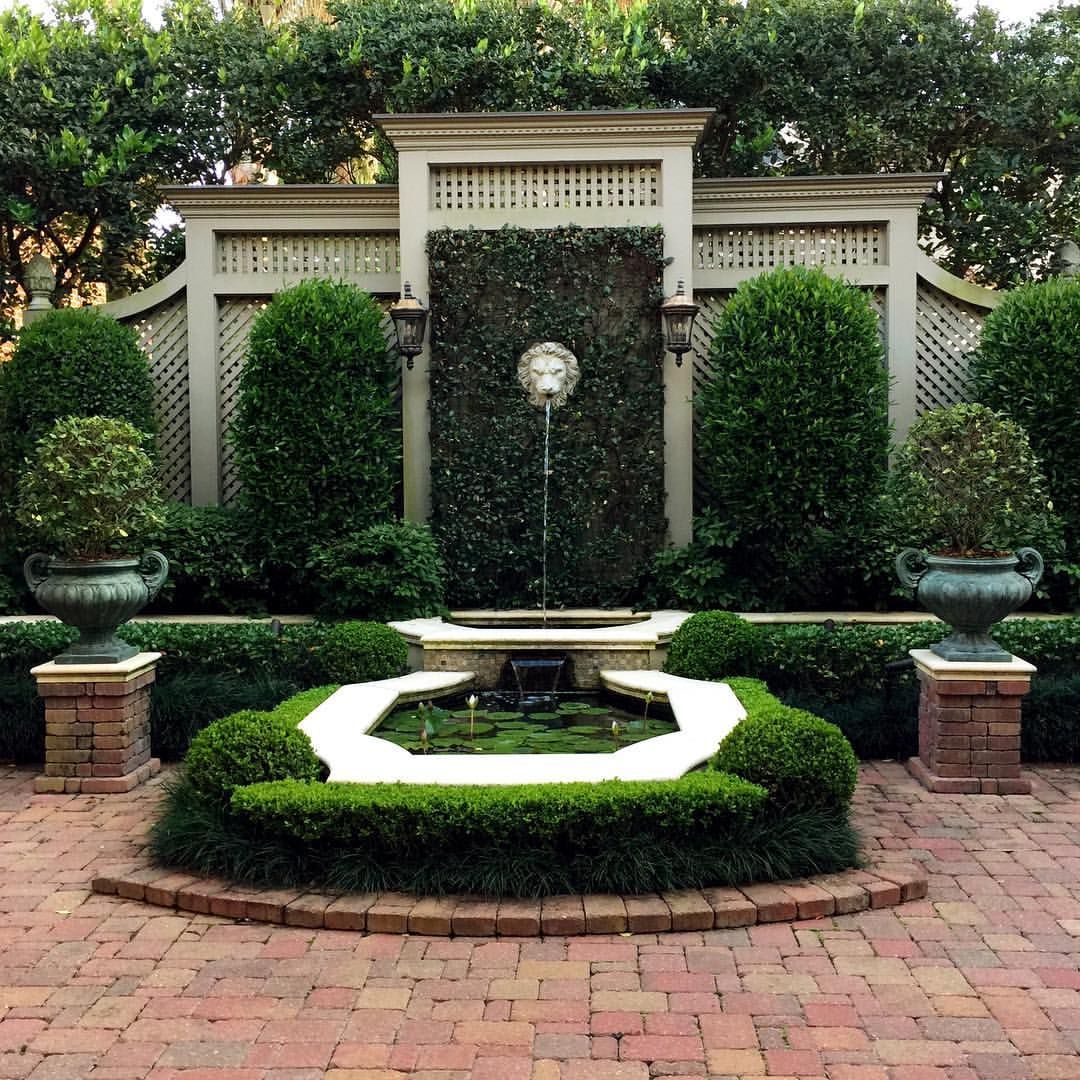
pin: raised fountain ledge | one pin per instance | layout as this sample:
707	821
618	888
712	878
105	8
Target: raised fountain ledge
656	627
338	729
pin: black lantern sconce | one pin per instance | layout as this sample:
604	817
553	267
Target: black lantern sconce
678	312
410	322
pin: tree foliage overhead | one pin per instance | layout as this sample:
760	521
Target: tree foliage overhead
97	107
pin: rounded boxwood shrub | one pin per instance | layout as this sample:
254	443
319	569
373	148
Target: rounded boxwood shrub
712	644
1027	365
70	362
248	747
317	430
392	570
794	438
355	652
804	762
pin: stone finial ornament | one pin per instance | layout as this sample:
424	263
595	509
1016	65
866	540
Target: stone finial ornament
1067	258
548	373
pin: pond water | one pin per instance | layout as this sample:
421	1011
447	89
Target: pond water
509	723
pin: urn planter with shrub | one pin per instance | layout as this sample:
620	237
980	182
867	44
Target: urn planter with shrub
89	495
968	488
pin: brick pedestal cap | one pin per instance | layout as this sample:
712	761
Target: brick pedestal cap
969	725
97	725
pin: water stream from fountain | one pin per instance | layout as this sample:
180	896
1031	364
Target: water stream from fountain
547	473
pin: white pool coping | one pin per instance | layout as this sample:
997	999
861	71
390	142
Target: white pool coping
440	634
338	729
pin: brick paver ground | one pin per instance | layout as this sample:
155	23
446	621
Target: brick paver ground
980	980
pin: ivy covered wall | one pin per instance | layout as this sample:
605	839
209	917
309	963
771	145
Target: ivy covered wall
493	294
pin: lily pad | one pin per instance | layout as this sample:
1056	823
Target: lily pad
503	716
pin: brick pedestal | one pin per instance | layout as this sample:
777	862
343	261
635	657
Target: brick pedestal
969	725
97	725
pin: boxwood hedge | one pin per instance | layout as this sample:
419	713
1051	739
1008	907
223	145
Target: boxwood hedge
708	827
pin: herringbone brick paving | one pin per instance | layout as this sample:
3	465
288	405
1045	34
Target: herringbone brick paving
980	980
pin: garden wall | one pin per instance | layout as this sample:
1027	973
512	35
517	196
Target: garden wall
587	169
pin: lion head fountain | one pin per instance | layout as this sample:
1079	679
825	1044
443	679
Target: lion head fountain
548	373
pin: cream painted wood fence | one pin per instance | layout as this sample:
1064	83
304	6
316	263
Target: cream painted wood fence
244	243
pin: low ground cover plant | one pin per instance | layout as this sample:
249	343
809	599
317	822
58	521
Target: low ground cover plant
711	827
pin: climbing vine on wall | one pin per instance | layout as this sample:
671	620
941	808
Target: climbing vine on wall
493	294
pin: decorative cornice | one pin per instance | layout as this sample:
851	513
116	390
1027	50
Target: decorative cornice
886	190
296	200
545	130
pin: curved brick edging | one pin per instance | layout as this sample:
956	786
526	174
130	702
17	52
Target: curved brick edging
448	916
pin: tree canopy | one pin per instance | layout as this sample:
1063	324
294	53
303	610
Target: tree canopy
97	107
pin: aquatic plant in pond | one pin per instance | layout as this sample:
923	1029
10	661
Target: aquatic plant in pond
508	724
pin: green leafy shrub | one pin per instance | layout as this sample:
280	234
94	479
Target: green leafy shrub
966	481
317	430
354	652
248	747
401	820
70	362
804	762
793	439
10	591
712	644
391	570
752	693
1027	366
91	489
211	568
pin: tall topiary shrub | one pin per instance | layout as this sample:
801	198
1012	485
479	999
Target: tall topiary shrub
317	431
70	362
1027	366
794	437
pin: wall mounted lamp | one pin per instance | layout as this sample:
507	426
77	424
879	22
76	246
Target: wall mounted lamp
678	312
410	322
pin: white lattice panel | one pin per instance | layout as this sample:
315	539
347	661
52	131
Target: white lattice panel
163	335
545	186
234	325
300	254
763	247
946	330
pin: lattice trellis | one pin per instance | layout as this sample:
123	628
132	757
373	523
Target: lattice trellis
163	335
545	186
946	330
234	325
302	254
763	247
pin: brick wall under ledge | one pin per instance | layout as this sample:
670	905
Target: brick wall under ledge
969	725
97	725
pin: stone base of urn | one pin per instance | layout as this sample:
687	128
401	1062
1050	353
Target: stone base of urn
969	725
97	725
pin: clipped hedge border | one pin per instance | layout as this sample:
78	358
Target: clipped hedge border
705	829
206	671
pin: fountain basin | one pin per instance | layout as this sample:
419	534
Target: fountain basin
338	728
627	641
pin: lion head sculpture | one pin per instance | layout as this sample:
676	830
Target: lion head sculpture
548	372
